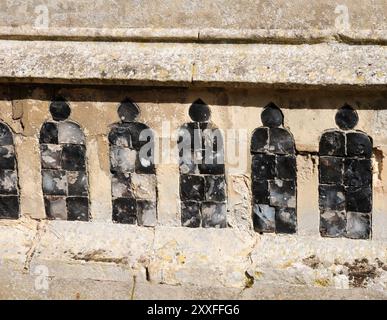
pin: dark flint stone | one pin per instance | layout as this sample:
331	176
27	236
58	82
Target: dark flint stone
7	157
332	224
128	111
359	145
49	133
191	187
280	141
122	185
359	199
77	183
346	118
263	167
55	207
272	116
282	193
50	155
54	182
145	163
5	135
331	197
263	218
286	167
73	157
332	144
212	139
357	173
125	210
213	215
260	189
285	220
141	134
60	110
190	137
120	136
77	208
146	213
331	170
190	214
358	225
260	140
199	111
9	207
212	164
215	188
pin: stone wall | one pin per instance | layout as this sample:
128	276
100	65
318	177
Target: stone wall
72	226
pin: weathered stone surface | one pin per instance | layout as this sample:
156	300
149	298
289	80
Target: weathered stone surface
333	223
358	225
8	182
215	188
263	166
73	157
259	140
77	183
214	63
280	141
359	145
331	170
359	199
285	220
331	197
9	207
191	187
56	207
282	193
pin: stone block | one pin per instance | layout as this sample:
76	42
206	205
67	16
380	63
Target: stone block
263	167
263	218
260	190
332	144
331	170
212	163
51	155
285	220
122	185
77	183
282	193
146	213
190	214
191	187
145	163
8	182
122	159
140	134
333	223
280	141
54	182
120	136
358	225
7	157
357	172
359	145
215	188
144	186
125	210
70	133
9	207
73	157
259	140
55	207
77	208
331	197
286	167
49	133
359	199
214	215
5	135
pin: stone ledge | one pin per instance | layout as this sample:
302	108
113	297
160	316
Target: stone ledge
195	35
77	255
288	66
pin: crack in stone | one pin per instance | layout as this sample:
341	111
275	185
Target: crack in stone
40	231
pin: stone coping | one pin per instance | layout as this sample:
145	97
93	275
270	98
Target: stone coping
265	65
